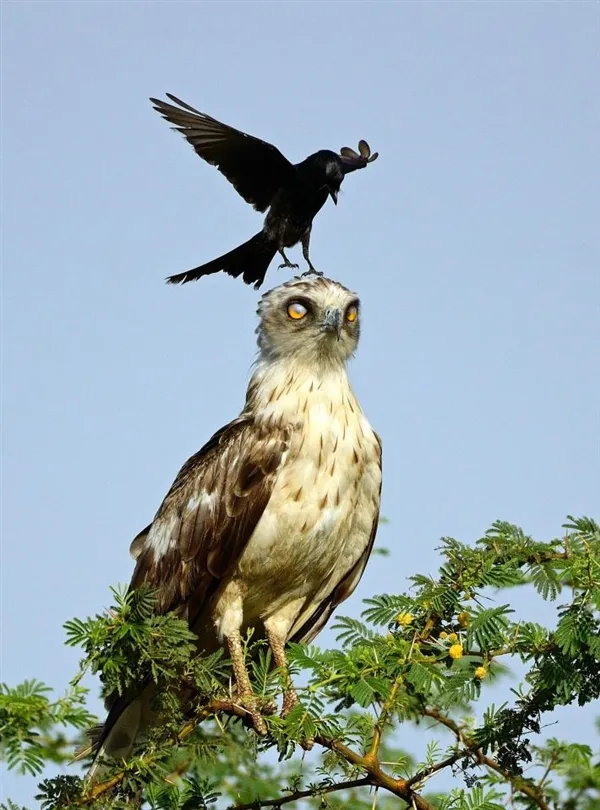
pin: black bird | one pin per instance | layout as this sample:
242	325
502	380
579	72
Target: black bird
293	193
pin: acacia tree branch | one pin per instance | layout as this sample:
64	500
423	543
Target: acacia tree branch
212	707
376	776
381	721
302	794
551	764
426	773
379	778
517	782
535	793
373	752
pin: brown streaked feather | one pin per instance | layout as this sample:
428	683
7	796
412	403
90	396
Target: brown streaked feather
345	587
198	544
138	541
255	168
208	516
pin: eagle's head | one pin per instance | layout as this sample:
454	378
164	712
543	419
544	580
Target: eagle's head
311	319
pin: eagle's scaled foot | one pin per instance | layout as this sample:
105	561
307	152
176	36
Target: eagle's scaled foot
290	701
251	704
290	698
308	745
245	696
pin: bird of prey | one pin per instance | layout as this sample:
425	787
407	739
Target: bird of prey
271	524
292	193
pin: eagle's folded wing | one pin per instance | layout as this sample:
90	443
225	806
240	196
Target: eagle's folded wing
208	516
196	537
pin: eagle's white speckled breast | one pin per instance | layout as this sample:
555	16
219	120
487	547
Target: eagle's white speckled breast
319	518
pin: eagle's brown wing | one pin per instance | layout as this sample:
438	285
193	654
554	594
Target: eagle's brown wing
255	168
208	516
197	535
345	587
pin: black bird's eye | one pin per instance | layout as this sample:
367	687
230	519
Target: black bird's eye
296	310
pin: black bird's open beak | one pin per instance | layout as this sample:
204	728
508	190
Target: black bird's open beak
334	195
333	322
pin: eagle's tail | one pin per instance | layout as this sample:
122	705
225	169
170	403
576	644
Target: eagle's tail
250	260
116	738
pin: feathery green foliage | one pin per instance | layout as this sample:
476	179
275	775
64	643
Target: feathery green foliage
428	657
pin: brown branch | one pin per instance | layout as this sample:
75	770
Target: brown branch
373	752
470	749
381	721
445	721
517	782
551	764
301	794
426	773
379	778
375	775
212	707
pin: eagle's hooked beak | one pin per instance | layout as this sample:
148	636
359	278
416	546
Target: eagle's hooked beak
333	322
334	195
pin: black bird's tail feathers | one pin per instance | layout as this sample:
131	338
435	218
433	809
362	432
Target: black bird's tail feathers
250	260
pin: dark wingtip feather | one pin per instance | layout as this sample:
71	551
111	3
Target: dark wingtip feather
161	107
180	278
184	105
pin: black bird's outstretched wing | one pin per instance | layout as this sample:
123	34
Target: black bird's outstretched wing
255	168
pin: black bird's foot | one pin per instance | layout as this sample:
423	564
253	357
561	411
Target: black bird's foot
286	261
312	271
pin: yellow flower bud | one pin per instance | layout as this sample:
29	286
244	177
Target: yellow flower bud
453	637
480	673
455	651
463	618
404	619
443	635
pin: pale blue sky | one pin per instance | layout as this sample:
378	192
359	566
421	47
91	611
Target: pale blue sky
473	242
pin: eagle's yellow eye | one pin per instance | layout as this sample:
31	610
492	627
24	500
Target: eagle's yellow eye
351	313
296	310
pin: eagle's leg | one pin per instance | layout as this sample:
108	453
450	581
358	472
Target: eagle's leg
277	645
286	261
245	697
276	639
